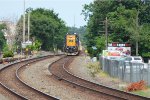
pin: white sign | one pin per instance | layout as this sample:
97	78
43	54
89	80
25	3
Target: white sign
24	44
123	50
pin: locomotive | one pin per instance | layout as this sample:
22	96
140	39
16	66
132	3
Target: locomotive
71	46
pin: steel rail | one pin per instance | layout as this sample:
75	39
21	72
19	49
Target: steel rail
17	74
90	85
24	63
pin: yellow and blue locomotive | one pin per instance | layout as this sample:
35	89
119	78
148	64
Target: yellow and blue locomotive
71	46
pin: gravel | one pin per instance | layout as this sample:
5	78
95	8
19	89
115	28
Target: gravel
40	78
3	97
79	68
6	95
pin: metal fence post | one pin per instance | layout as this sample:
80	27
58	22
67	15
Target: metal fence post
148	74
131	71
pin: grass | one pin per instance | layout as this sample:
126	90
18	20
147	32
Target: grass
96	71
145	93
94	68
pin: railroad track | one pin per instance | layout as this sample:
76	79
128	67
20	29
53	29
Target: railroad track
60	70
9	79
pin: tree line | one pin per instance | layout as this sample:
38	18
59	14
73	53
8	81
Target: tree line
2	38
128	22
46	27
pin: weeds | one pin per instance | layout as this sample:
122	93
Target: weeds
142	93
94	68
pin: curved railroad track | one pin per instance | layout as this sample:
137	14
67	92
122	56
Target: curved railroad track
10	80
60	70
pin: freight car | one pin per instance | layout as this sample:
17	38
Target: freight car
71	46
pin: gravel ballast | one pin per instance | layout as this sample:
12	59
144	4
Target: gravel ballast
79	68
39	77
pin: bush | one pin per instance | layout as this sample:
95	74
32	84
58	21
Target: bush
8	54
136	86
94	68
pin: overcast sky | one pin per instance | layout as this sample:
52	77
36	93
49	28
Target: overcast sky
67	9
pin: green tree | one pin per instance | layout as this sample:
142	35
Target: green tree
2	38
7	52
35	46
144	44
129	23
122	20
47	27
81	31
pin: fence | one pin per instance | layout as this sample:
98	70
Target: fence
126	71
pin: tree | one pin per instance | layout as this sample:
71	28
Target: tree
129	22
144	44
123	23
47	27
81	31
2	38
96	12
35	46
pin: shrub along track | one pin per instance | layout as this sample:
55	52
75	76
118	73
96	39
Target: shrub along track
60	70
9	80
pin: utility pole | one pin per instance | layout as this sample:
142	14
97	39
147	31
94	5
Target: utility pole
29	26
24	23
106	32
74	24
105	23
53	42
137	27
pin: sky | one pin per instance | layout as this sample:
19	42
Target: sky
68	10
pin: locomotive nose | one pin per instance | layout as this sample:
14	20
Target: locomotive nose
71	49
